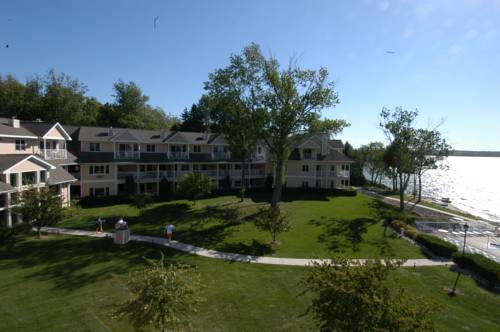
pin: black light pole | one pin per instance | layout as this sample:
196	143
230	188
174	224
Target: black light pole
452	293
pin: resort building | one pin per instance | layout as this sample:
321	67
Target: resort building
96	161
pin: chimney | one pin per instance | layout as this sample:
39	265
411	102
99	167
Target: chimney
110	131
14	122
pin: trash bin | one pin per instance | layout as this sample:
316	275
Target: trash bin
122	236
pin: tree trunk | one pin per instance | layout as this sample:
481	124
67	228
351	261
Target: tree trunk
401	192
242	186
414	186
419	187
39	231
278	182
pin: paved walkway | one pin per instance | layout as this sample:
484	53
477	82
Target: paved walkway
190	249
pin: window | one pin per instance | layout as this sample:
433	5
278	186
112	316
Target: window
151	148
318	168
28	178
43	176
95	147
97	192
305	168
259	149
307	153
197	148
332	168
13	179
99	169
345	167
305	184
20	145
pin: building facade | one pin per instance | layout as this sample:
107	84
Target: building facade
97	161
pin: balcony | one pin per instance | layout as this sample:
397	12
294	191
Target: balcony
127	155
208	172
166	174
179	155
343	174
251	172
221	155
147	175
51	154
123	175
325	174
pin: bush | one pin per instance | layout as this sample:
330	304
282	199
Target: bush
9	232
410	231
398	225
436	245
483	266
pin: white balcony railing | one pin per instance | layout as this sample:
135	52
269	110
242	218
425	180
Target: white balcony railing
147	175
251	172
51	154
127	154
179	155
325	174
208	172
343	174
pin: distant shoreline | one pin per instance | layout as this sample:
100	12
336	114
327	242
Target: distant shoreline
465	153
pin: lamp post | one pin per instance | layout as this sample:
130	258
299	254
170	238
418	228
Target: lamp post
452	292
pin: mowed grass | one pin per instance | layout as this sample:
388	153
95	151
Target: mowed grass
322	226
74	284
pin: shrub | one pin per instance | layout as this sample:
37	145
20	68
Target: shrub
411	232
483	266
436	245
398	225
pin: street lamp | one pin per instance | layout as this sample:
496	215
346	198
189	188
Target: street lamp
452	292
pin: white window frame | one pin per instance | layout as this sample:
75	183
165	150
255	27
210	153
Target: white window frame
21	145
150	147
95	147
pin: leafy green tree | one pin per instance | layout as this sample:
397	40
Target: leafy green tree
398	126
372	155
39	207
274	221
234	92
331	127
141	201
163	295
430	148
354	296
194	185
292	98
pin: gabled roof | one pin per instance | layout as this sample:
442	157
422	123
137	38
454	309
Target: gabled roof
101	134
125	136
7	161
188	137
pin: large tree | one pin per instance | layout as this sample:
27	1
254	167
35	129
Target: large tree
39	207
292	97
194	185
373	160
235	95
398	126
353	296
429	149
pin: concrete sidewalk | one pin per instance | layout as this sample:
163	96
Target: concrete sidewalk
190	249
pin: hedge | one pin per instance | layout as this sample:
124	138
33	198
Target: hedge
483	266
436	245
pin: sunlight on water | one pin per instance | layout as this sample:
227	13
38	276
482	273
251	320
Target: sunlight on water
472	183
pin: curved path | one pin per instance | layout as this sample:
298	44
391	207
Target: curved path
190	249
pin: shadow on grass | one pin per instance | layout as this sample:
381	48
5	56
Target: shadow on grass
257	248
72	263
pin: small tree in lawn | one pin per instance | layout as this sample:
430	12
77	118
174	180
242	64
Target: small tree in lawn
141	201
39	207
194	186
274	221
353	296
163	295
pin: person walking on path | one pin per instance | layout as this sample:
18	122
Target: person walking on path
98	225
169	229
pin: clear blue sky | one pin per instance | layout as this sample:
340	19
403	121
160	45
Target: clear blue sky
446	60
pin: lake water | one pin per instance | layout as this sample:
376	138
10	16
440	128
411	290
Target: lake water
472	183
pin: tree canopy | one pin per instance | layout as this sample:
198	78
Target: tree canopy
61	98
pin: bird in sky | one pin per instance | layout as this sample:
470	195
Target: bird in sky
390	52
155	21
7	45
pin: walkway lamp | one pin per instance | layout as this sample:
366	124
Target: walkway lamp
452	292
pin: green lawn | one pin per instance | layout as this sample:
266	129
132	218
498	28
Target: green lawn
73	283
322	226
